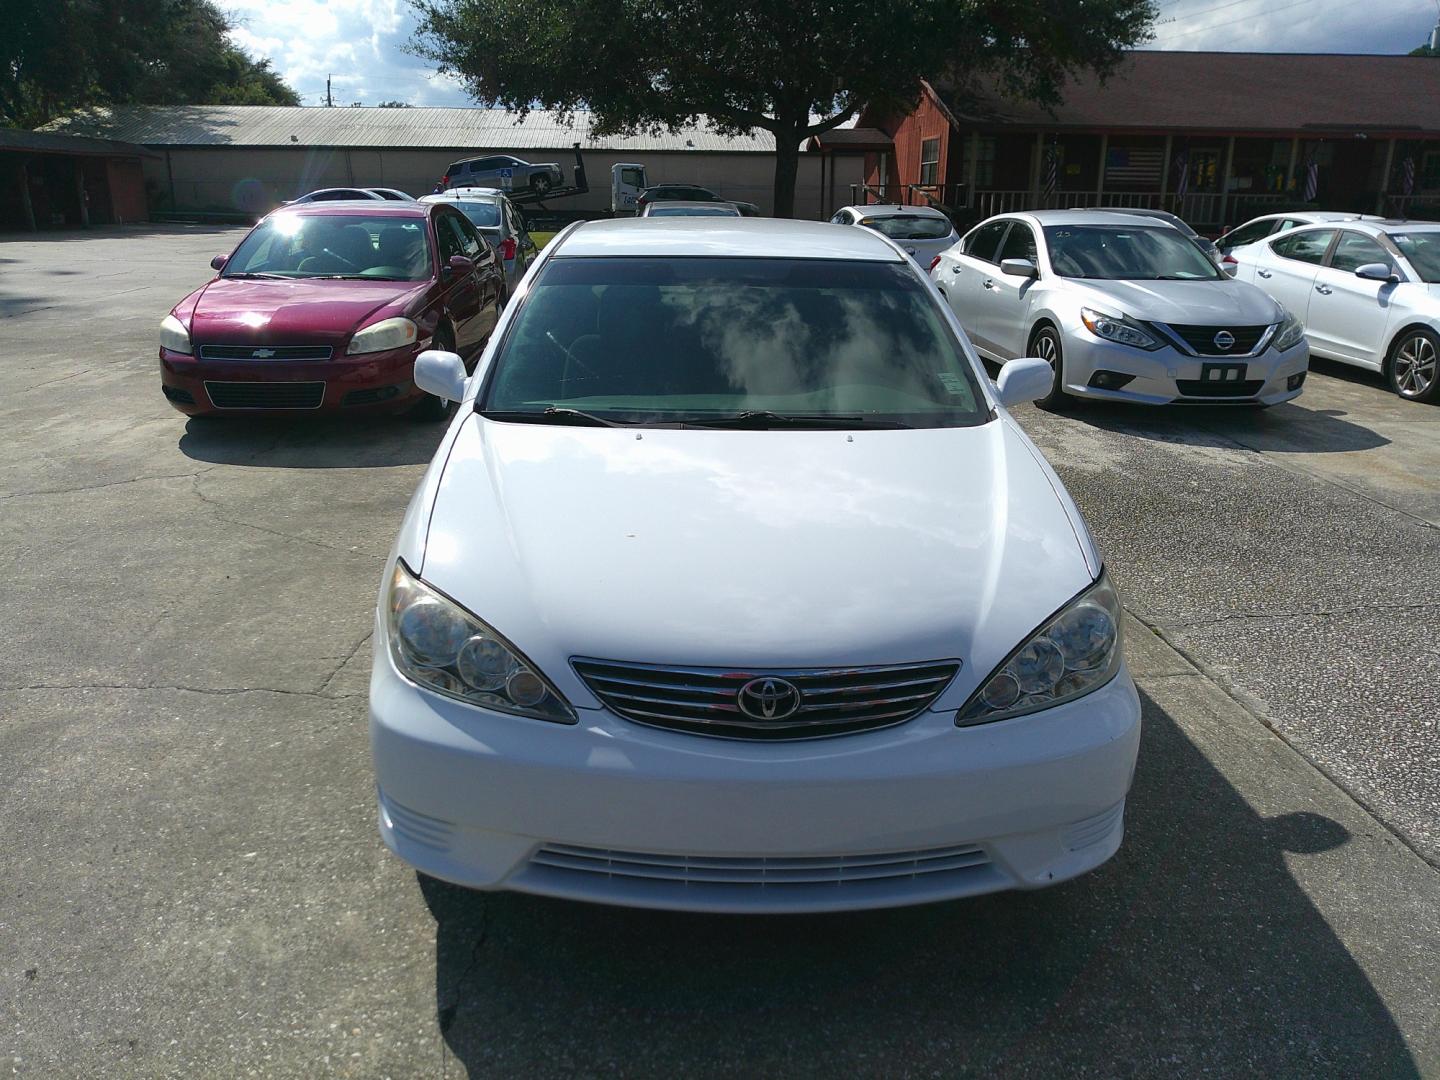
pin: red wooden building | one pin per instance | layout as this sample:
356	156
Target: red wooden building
1215	137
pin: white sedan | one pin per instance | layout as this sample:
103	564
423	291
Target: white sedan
1123	306
1267	225
922	231
734	586
1367	291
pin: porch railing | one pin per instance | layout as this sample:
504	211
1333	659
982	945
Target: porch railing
1202	208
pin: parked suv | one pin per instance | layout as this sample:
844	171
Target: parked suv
493	170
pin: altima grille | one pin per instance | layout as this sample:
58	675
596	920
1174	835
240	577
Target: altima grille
265	395
766	703
265	352
1201	339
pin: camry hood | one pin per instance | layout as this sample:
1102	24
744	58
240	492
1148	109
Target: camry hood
753	548
1184	303
232	311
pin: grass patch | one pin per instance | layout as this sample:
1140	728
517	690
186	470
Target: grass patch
541	239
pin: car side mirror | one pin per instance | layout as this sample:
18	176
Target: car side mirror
441	373
1019	268
459	264
1026	379
1376	272
219	261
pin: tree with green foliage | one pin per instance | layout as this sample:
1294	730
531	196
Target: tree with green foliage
794	68
58	55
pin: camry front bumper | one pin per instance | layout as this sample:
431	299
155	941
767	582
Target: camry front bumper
1098	368
609	811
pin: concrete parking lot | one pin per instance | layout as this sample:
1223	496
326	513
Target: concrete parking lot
191	882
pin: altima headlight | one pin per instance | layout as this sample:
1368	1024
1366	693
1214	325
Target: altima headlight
1117	328
438	644
1290	332
1076	652
385	334
174	336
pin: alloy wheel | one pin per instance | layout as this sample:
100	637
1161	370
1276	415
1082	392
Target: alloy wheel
1415	366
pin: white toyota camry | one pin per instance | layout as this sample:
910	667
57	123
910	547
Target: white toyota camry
733	586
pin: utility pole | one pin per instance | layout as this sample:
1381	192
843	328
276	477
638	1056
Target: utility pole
329	101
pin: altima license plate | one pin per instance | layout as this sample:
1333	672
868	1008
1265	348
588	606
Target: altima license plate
1222	373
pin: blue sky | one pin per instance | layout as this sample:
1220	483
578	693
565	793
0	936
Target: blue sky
360	42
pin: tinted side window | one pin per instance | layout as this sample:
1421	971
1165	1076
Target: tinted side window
1355	250
983	241
447	232
1247	234
472	244
1019	244
1306	247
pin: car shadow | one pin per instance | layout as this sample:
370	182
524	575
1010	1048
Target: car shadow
1288	427
351	441
1193	952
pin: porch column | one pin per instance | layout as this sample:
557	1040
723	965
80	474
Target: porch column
25	203
1100	173
972	168
1290	169
1385	178
1225	180
80	193
1165	169
1037	167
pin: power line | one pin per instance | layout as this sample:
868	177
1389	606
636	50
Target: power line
1272	11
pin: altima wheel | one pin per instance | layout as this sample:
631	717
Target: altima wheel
1413	366
1046	345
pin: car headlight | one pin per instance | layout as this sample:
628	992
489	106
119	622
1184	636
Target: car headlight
1075	652
1117	328
1290	332
174	336
385	334
438	644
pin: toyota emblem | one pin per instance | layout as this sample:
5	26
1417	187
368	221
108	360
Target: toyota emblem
1224	341
768	699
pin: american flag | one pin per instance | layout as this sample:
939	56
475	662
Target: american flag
1182	173
1052	171
1312	180
1407	176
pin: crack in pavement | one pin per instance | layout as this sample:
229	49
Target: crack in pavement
445	1014
343	661
1261	616
215	510
194	474
219	691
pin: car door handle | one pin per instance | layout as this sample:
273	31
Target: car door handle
1324	290
1263	273
989	283
956	269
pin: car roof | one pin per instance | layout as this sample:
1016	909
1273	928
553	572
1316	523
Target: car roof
677	183
1372	226
1090	217
371	207
891	209
464	195
342	187
674	204
724	237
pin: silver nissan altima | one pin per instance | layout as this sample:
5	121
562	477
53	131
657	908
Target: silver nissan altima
1123	307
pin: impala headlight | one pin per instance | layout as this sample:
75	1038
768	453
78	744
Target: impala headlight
1290	332
438	644
1117	328
1076	652
174	336
385	334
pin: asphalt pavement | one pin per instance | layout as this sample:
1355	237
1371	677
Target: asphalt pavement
191	883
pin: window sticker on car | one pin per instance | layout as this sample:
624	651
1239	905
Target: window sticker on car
953	383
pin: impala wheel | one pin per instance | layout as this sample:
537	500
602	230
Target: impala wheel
1414	366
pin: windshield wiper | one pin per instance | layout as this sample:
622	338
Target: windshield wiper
261	274
551	415
763	418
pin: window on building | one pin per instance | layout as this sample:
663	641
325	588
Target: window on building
1430	171
984	165
929	162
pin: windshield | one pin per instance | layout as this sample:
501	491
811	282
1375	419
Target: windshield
337	245
1124	254
697	340
661	210
1423	251
483	215
909	227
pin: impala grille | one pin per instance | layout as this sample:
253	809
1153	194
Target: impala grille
265	352
766	703
265	395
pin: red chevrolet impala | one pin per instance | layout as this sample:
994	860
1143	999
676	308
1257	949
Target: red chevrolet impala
326	305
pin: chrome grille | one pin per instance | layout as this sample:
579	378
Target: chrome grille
265	352
832	701
822	870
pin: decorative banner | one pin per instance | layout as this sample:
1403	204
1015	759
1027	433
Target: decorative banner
1182	173
1407	176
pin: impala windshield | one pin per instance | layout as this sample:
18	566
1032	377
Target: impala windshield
387	248
1111	253
732	341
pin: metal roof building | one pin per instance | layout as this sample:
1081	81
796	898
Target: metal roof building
246	158
49	179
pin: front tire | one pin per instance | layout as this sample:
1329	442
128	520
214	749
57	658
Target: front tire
1413	366
1045	343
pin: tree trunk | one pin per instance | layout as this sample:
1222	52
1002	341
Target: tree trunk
787	164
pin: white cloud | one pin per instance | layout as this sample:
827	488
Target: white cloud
1338	26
